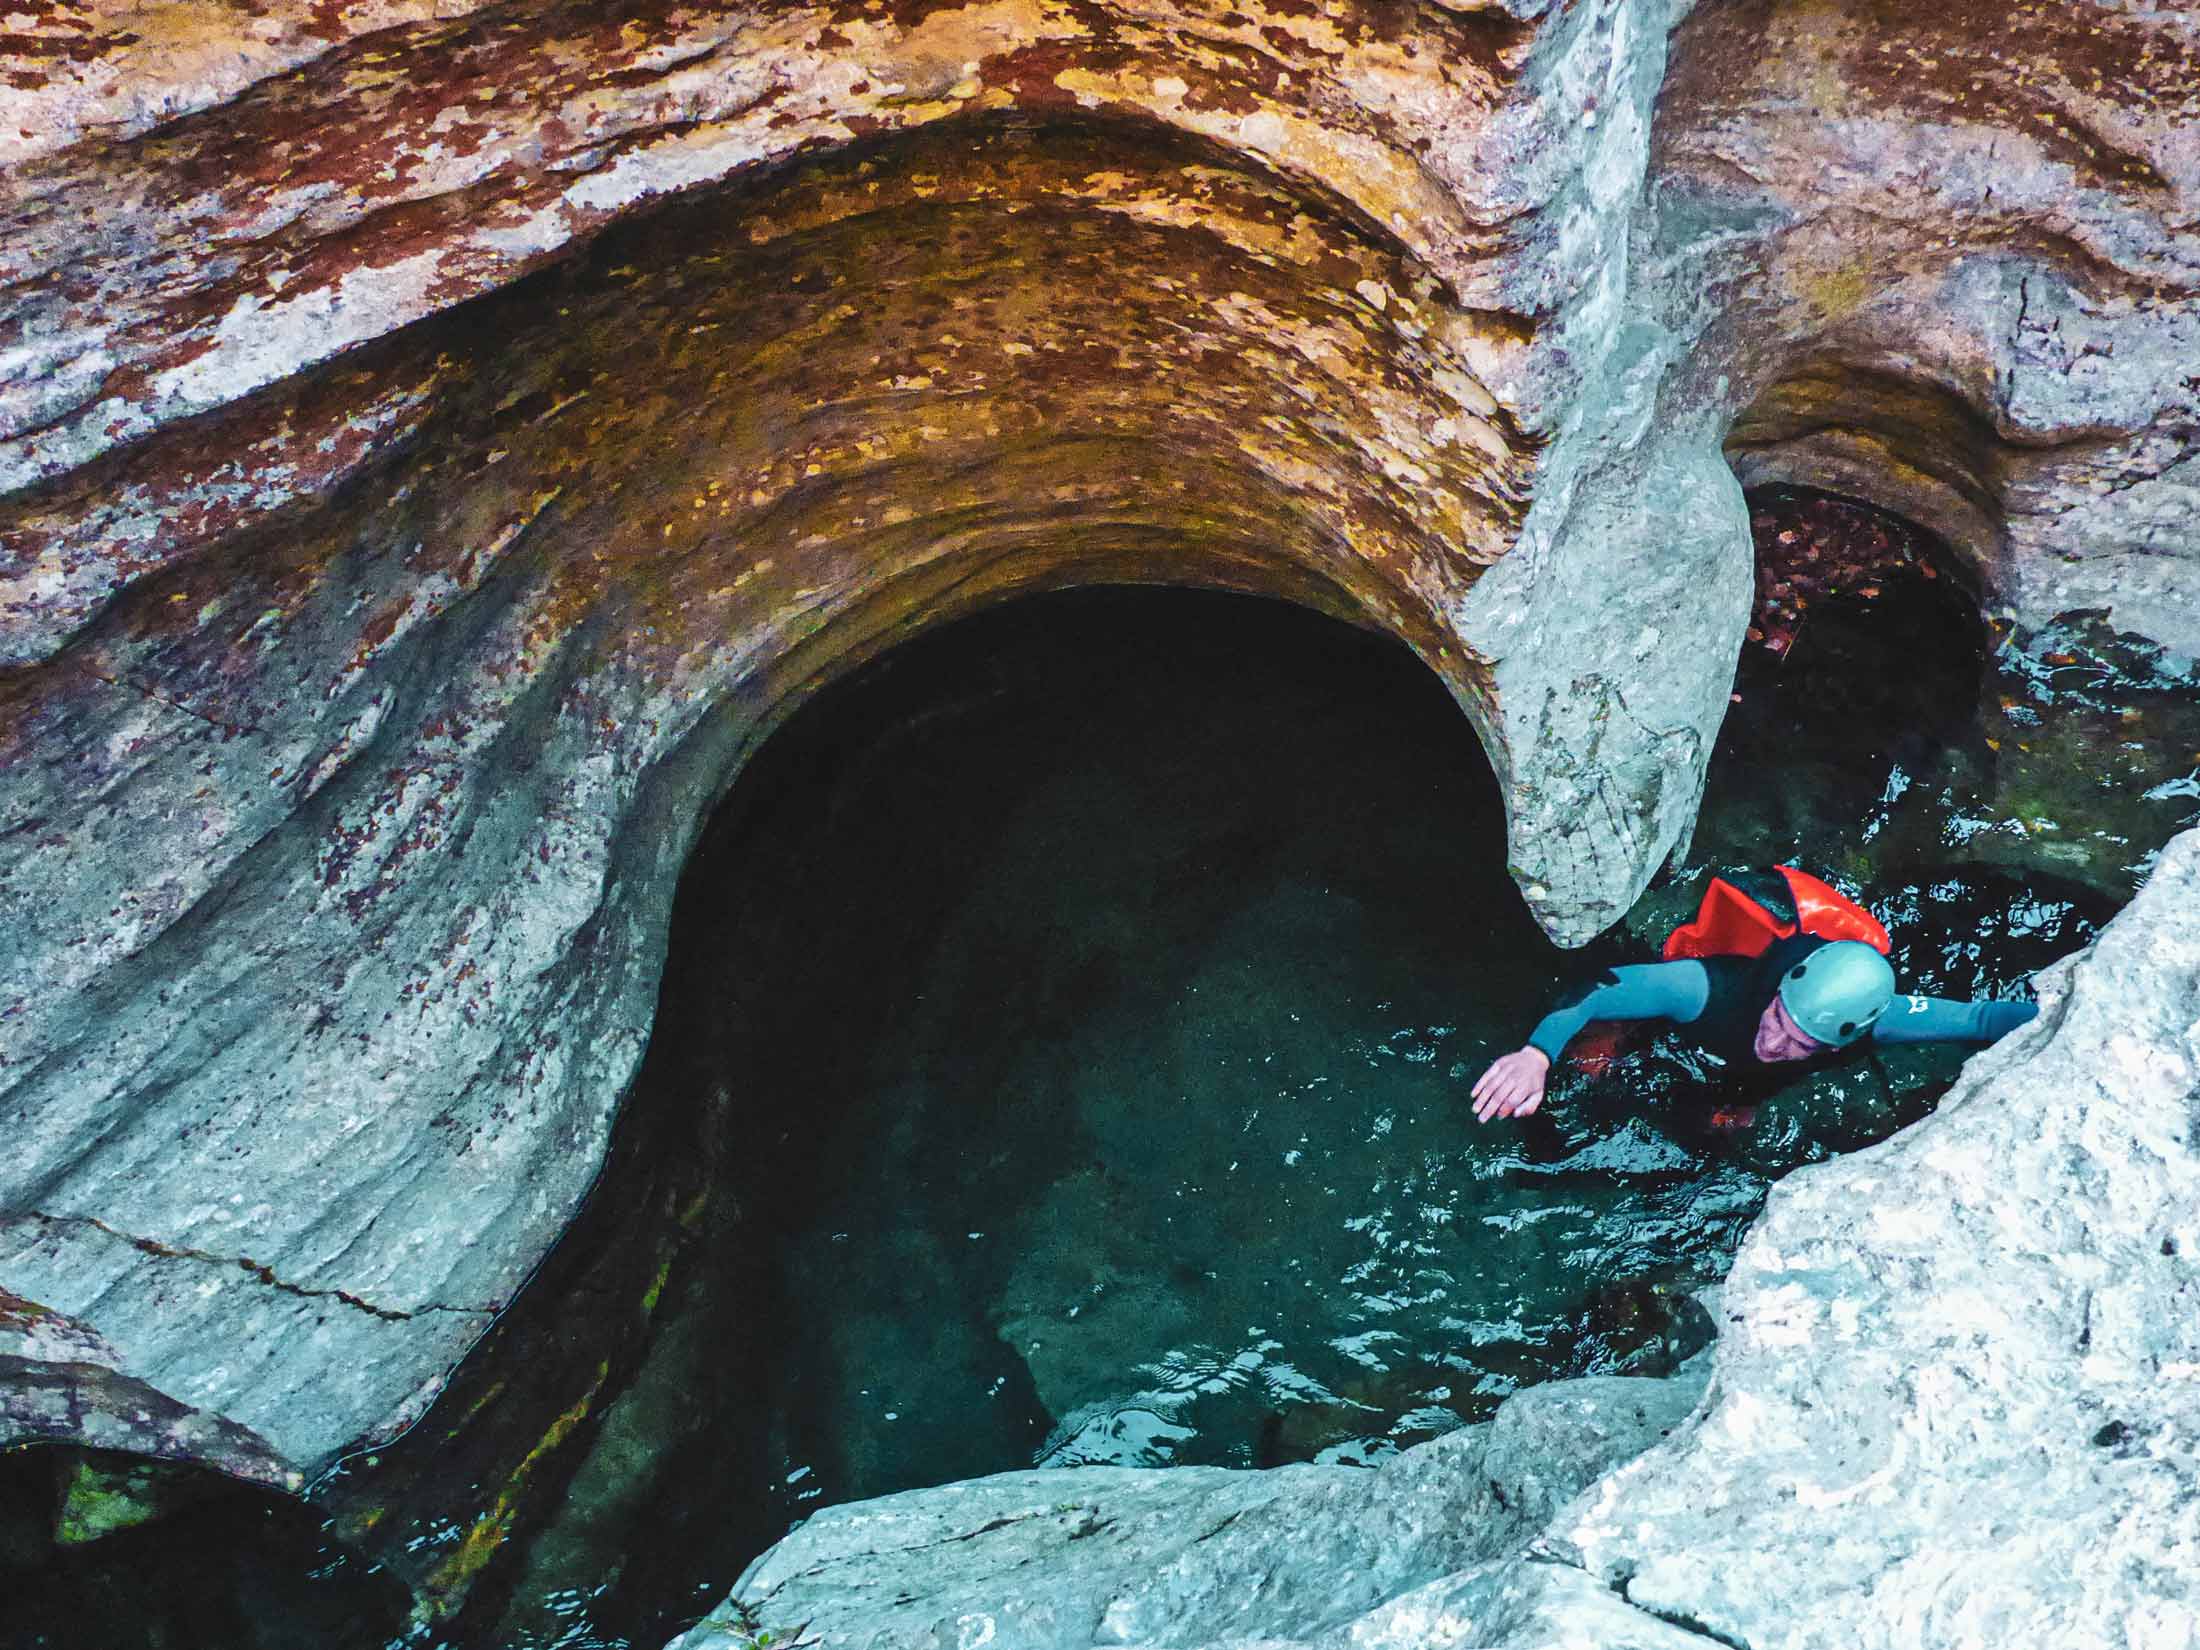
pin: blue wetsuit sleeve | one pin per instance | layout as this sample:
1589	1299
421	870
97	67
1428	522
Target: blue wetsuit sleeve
1943	1020
1674	991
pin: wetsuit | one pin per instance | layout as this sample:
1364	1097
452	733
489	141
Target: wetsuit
1721	999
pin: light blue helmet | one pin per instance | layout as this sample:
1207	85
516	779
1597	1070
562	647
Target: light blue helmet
1836	992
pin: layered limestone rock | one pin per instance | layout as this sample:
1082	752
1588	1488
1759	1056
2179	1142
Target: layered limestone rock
1187	1555
359	724
1953	261
441	442
1953	1402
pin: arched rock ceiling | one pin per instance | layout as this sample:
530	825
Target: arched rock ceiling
1954	257
441	441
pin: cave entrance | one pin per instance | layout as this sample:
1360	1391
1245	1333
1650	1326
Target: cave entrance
1860	675
1106	969
1094	986
1062	1057
1889	730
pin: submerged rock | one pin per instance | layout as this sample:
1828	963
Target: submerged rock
1073	1557
99	1494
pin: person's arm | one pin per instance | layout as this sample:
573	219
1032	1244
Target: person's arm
1513	1084
1944	1020
1675	991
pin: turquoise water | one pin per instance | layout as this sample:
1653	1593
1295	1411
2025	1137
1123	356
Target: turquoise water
1098	985
1150	945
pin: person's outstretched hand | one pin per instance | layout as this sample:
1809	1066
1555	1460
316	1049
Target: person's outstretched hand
1513	1086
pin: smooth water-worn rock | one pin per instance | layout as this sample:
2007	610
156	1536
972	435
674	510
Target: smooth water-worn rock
439	444
359	723
1957	1399
1074	1557
1518	1606
1954	1402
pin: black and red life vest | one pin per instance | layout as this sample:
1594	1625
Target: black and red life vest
1741	919
1742	916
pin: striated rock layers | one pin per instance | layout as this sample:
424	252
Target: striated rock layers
1954	1402
440	441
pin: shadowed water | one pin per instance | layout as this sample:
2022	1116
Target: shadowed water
1105	978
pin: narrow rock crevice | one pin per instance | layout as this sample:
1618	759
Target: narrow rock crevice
1685	1622
215	722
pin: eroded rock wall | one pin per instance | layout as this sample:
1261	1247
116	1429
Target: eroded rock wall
442	441
1951	255
359	723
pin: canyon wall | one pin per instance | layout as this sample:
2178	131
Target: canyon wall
440	442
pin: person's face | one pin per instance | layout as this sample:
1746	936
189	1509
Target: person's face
1780	1038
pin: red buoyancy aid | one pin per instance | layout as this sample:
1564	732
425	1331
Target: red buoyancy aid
1731	923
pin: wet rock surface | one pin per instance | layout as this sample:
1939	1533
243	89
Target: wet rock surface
1191	1554
410	529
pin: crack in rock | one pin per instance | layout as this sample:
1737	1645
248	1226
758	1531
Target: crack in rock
244	1263
986	1528
124	683
1619	1590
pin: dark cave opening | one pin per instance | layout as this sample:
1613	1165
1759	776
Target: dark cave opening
1061	1057
1000	951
